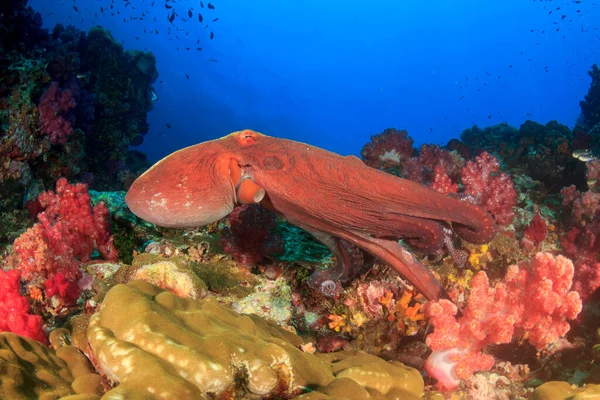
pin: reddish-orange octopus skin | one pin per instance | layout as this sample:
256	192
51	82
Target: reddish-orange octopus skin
312	188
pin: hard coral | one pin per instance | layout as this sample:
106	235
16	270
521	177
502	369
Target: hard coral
31	370
181	281
555	390
534	298
151	341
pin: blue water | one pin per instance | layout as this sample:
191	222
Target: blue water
331	73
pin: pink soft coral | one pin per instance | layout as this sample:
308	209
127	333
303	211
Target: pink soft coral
67	233
533	298
582	240
490	188
54	104
435	166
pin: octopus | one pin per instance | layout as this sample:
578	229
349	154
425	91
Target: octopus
341	201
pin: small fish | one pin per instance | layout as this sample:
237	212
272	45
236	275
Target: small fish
187	76
585	155
168	7
200	19
212	35
213	60
199	48
190	13
75	8
168	126
172	17
210	6
216	19
201	5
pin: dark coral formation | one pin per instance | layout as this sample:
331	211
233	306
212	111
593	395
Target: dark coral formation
543	152
590	106
122	85
71	104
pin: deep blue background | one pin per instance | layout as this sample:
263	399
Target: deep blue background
331	73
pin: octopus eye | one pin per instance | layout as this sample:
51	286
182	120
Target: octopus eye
329	288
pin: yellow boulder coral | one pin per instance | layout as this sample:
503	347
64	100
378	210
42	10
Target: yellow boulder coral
556	390
183	282
155	344
370	374
30	370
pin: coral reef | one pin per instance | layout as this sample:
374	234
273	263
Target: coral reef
590	106
195	349
98	303
68	232
533	298
388	149
32	370
564	391
542	152
70	105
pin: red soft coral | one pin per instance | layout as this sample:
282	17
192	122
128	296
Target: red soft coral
442	182
534	298
67	291
14	309
249	240
388	149
435	166
537	230
67	233
490	188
